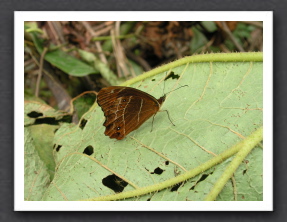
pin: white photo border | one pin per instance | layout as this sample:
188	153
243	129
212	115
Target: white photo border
21	16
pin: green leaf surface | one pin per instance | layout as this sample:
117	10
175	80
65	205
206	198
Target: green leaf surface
43	135
37	178
219	110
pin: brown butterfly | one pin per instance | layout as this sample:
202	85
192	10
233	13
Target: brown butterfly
126	109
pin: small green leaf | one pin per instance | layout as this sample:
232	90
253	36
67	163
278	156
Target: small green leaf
62	60
198	40
209	25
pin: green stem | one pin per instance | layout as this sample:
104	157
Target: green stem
213	57
247	145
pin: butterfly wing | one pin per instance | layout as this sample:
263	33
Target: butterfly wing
125	109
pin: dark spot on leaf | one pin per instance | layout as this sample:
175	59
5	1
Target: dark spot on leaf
58	148
192	188
157	171
115	183
53	120
89	150
83	123
171	75
56	130
166	162
242	197
148	199
244	171
203	177
176	186
153	80
47	120
34	114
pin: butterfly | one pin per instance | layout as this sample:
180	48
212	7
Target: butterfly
126	109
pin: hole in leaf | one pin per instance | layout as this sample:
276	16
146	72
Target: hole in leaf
157	171
176	186
47	120
166	162
192	188
203	177
58	148
83	123
89	150
34	114
171	75
115	183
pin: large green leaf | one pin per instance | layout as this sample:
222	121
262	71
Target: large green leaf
217	115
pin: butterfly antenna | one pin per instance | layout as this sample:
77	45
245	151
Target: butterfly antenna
176	89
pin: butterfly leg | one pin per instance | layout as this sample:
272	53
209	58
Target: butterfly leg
168	116
152	122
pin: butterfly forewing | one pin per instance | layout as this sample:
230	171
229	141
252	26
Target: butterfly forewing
126	109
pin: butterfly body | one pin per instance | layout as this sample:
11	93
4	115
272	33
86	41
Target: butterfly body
126	109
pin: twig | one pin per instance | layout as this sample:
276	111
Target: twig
119	51
40	71
62	97
138	59
98	45
54	32
232	38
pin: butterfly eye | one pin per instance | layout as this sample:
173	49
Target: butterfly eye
124	100
118	128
